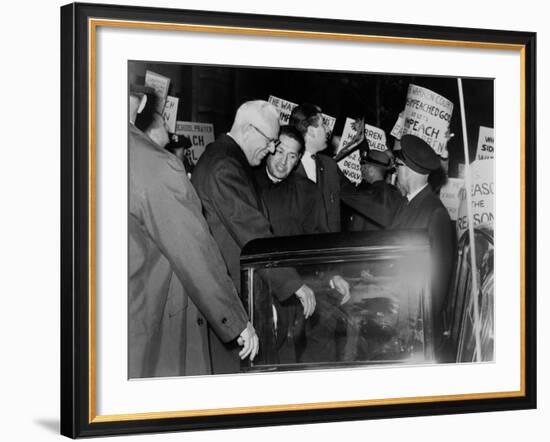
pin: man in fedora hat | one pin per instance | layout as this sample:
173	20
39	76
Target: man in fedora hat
422	209
374	201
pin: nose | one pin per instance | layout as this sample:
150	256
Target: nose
271	147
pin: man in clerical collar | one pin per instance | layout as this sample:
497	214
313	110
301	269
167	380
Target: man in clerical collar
294	203
422	209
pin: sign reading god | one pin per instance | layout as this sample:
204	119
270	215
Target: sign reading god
170	113
428	116
350	165
482	196
285	108
450	195
199	134
376	138
160	84
485	144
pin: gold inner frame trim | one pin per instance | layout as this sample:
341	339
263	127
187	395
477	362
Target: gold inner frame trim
93	24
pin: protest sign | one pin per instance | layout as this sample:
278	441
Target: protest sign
482	193
199	134
350	165
170	113
160	84
397	130
450	196
485	144
376	138
428	116
285	108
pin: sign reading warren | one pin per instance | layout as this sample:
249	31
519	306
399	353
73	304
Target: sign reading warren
376	137
200	135
485	144
285	108
483	194
160	84
428	116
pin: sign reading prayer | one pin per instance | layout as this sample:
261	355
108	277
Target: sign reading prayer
482	196
170	113
485	144
350	165
199	134
450	195
285	108
160	84
428	116
376	138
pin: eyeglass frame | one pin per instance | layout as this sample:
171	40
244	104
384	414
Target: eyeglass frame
274	141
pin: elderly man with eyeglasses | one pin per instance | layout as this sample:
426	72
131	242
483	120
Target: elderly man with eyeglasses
225	182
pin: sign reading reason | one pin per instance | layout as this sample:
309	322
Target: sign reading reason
428	116
160	84
482	195
200	135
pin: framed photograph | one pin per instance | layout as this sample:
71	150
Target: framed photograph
273	220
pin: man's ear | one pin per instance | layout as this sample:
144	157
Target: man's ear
142	103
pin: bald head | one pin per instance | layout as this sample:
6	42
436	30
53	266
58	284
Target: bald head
255	129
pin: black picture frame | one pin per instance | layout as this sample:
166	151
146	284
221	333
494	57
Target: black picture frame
77	251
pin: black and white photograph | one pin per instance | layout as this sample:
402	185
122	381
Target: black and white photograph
299	219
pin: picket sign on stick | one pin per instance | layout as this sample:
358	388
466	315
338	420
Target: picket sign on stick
468	182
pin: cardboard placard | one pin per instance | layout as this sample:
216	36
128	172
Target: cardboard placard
485	144
450	195
170	113
160	84
200	135
376	138
482	193
428	116
285	108
350	165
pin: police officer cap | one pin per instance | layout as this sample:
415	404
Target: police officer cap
418	155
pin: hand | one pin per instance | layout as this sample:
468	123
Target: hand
307	298
248	339
342	286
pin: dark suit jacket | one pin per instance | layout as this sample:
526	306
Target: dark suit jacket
329	179
373	206
425	211
177	276
295	205
234	211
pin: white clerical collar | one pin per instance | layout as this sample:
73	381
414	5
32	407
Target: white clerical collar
308	161
410	196
273	179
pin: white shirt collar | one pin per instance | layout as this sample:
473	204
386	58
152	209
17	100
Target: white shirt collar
271	177
410	196
309	166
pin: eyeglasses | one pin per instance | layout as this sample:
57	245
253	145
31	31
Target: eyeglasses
274	141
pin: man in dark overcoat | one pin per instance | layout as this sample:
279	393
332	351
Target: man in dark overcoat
178	284
225	182
422	209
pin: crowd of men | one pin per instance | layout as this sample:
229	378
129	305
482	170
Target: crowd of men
259	180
